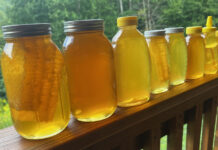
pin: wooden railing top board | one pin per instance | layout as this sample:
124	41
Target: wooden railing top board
81	135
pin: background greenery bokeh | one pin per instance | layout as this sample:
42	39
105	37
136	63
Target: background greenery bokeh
152	14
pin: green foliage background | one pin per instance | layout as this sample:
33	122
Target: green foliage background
153	14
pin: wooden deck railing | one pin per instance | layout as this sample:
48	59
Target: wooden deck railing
140	127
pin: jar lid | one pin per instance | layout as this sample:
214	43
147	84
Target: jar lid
209	25
193	30
154	33
23	30
127	21
83	25
174	30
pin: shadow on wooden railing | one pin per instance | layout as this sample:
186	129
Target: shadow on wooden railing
140	127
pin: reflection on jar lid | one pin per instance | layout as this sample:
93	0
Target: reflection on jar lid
174	30
154	33
83	25
24	30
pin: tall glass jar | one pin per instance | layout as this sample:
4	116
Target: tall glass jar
196	52
158	49
35	81
132	63
177	55
89	61
210	47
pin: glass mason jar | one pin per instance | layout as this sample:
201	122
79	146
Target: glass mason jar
157	45
177	55
35	81
132	63
89	61
210	50
196	52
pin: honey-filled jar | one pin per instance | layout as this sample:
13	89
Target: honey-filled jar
217	39
132	63
217	46
158	50
196	52
177	55
89	60
210	47
35	80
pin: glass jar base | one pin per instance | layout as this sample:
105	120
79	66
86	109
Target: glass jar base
177	82
159	90
37	137
210	72
95	118
195	76
133	102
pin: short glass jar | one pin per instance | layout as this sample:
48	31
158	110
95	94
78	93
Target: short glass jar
35	81
177	55
158	49
89	61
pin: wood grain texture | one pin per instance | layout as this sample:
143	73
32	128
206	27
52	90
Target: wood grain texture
125	123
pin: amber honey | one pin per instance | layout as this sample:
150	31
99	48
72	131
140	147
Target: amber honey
89	62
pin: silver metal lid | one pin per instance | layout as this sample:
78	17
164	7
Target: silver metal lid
83	25
174	30
23	30
154	33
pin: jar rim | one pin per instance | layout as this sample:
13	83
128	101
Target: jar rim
25	30
83	25
152	33
174	30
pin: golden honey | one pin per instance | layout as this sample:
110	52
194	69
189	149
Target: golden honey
35	81
132	64
210	47
177	55
158	50
196	52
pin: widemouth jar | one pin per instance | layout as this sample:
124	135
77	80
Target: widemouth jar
158	50
35	80
89	61
177	54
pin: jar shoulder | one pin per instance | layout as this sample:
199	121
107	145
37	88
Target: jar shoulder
86	43
194	39
128	38
20	47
